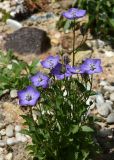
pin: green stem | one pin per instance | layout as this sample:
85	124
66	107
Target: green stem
73	44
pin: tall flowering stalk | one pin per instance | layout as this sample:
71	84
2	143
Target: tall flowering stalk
73	14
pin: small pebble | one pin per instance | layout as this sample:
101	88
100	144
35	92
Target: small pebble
11	141
109	88
1	151
15	25
23	138
103	83
9	156
17	128
110	118
3	132
104	109
13	93
112	96
110	102
2	157
109	53
2	143
99	99
10	131
20	137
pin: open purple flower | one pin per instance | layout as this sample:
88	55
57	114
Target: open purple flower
74	13
50	62
60	71
74	69
40	80
91	66
28	97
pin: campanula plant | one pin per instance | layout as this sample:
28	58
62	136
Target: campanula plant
57	122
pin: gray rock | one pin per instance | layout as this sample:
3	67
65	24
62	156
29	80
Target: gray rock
2	154
112	96
104	109
110	118
109	53
2	143
106	95
23	138
3	132
109	88
110	102
13	93
1	150
27	40
104	132
17	128
20	137
103	83
9	156
99	99
43	17
10	131
91	99
2	157
19	1
15	25
100	43
11	141
96	44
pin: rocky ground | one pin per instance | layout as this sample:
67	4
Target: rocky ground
12	142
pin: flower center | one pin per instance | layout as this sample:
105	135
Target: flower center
28	97
92	67
73	13
77	70
40	79
50	63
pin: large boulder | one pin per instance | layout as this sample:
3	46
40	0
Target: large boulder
27	40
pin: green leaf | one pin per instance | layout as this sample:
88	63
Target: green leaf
85	154
74	128
111	22
33	66
87	129
67	24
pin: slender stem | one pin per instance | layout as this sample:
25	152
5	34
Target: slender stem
73	43
30	109
91	80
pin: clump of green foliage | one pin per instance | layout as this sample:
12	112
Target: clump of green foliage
101	17
14	72
6	15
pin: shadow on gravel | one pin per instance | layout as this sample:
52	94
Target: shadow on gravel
107	146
